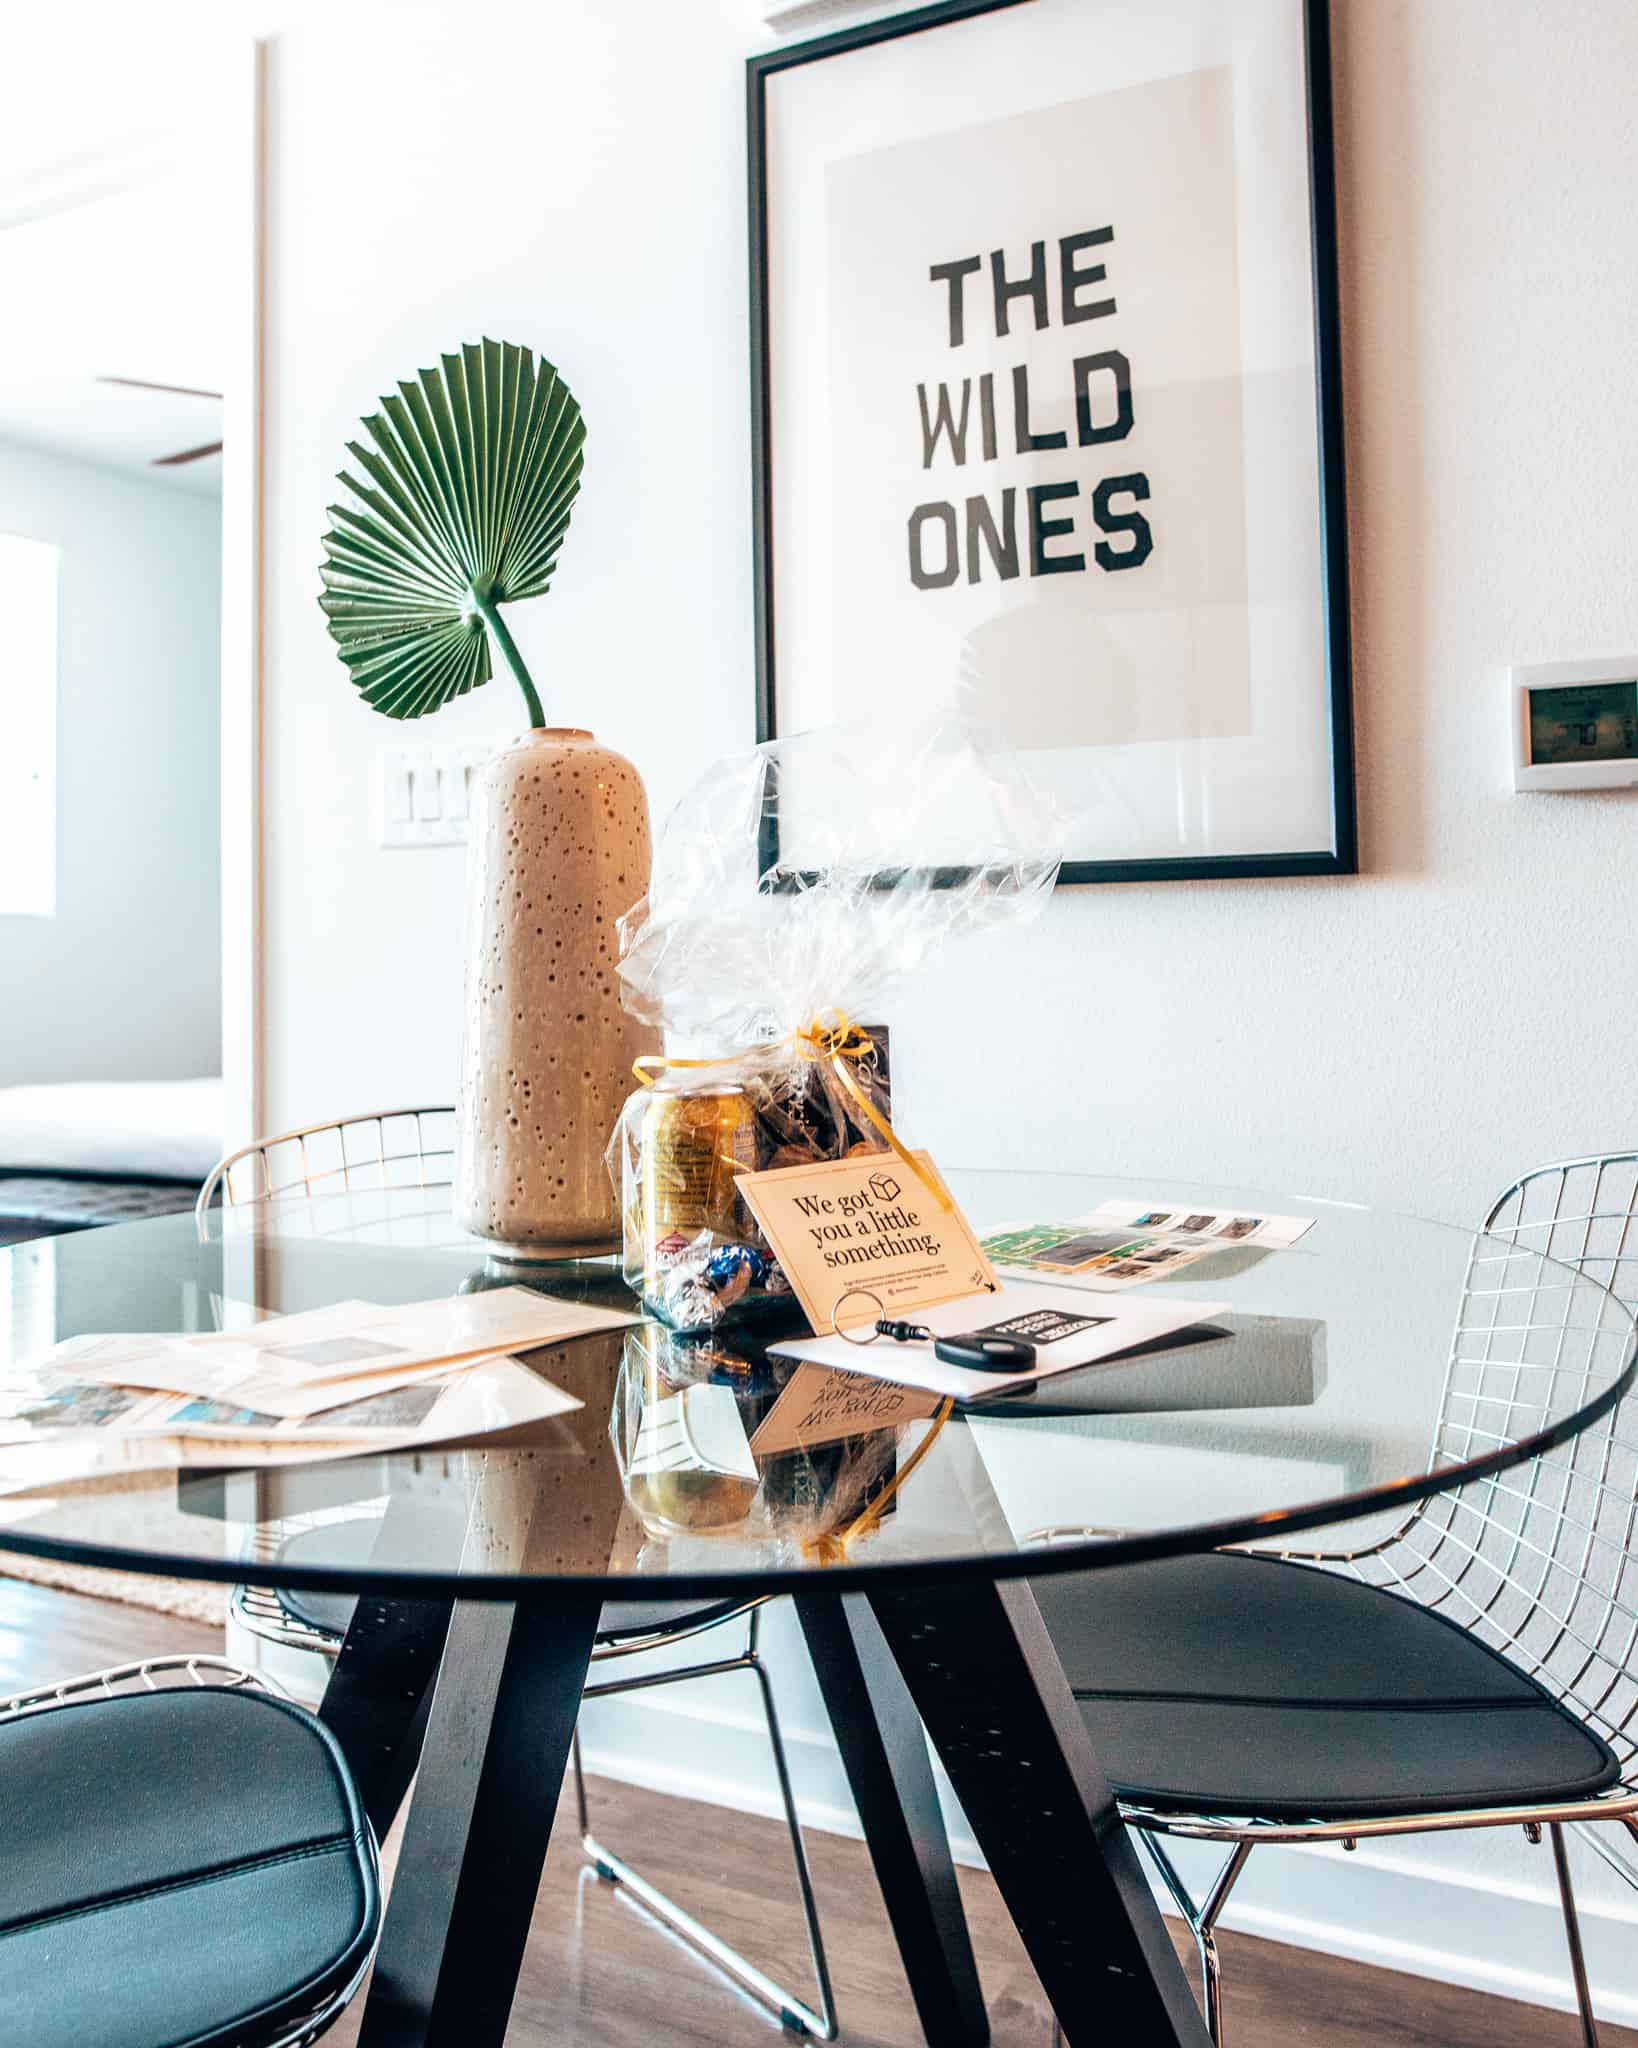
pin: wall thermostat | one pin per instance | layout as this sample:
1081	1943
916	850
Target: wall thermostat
1575	724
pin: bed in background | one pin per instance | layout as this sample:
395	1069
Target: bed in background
77	1154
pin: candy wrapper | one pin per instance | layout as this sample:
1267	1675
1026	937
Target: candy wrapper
795	888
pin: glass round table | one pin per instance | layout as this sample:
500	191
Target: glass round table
1377	1364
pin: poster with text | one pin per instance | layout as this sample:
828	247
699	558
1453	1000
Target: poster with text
1043	409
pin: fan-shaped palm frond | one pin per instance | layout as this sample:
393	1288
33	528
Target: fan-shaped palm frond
471	475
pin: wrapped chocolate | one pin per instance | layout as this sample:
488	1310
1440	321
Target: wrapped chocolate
794	889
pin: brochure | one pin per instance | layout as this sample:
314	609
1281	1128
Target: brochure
163	1366
293	1368
1124	1244
1065	1339
350	1377
54	1401
1212	1227
354	1337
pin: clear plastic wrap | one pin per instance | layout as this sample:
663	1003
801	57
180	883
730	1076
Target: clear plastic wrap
795	888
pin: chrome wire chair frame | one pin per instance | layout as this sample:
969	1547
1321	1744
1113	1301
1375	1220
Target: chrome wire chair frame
415	1148
258	1609
169	1673
148	1674
794	2013
388	1148
1540	1563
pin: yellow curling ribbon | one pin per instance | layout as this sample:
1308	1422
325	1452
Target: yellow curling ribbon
835	1039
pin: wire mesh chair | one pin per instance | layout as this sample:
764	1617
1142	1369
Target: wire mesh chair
389	1148
148	1674
414	1148
1539	1563
173	1672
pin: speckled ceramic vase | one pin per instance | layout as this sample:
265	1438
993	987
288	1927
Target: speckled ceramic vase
558	850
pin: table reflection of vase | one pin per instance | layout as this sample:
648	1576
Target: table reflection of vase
558	852
551	1506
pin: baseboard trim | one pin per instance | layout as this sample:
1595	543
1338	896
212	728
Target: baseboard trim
1502	1938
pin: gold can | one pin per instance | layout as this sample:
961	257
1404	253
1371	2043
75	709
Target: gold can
693	1141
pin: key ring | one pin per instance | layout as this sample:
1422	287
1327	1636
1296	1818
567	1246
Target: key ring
884	1325
864	1294
980	1351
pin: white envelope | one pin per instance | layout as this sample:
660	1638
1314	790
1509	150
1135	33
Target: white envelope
1068	1332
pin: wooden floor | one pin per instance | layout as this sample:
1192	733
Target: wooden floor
599	1974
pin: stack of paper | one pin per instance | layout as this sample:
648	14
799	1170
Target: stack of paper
320	1384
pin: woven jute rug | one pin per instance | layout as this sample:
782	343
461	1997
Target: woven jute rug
188	1599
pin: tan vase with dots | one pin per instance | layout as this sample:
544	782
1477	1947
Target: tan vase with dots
558	851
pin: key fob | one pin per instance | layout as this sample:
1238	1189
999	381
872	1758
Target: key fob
985	1354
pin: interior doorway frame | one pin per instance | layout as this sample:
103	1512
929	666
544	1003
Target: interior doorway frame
243	623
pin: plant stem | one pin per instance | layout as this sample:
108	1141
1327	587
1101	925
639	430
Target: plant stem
491	617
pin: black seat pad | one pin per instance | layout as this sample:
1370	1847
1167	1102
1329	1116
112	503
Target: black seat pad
177	1868
347	1543
1240	1685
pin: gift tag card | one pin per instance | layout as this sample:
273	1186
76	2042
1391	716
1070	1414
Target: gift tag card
852	1233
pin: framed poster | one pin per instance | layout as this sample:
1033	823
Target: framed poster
1047	412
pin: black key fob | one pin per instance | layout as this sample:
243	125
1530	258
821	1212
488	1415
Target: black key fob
985	1354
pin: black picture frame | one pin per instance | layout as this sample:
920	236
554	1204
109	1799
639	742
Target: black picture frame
1342	858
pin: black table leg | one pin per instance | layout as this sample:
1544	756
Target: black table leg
379	1691
497	1743
980	1667
884	1751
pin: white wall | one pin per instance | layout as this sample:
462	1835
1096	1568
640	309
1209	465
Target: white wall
1413	1036
124	982
585	195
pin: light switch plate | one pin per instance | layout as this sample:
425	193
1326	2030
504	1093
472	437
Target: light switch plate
424	794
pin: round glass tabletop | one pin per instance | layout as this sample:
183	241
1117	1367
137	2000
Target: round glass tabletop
1375	1362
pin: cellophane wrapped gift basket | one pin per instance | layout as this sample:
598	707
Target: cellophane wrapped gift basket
795	888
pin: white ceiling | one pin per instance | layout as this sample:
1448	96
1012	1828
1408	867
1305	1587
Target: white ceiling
114	210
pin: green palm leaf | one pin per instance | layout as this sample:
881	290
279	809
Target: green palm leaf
464	498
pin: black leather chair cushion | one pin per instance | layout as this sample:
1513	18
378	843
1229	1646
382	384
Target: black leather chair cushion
350	1543
1239	1685
178	1869
623	1619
